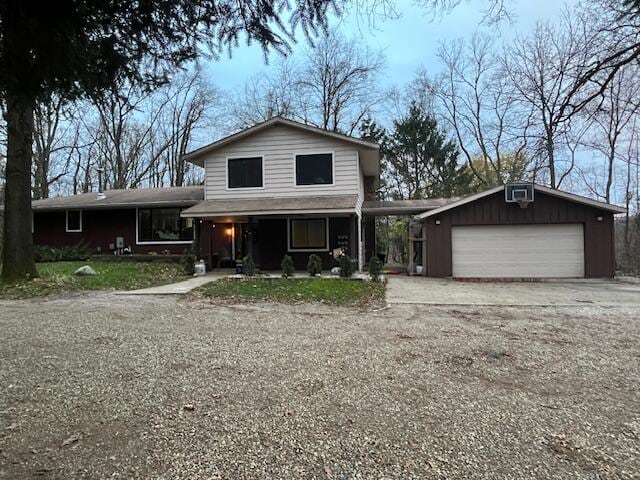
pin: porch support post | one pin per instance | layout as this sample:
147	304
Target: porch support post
424	249
411	266
359	245
195	246
250	237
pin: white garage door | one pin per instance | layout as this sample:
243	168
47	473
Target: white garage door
518	251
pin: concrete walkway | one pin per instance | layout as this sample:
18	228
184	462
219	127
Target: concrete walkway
176	288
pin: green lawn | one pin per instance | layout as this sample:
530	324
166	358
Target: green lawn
335	291
56	278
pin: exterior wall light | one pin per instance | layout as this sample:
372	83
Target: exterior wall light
437	222
599	218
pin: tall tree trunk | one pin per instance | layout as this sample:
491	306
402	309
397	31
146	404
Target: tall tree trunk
18	261
552	159
610	160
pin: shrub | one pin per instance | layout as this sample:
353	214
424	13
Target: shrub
346	266
287	266
375	268
314	266
43	253
249	266
188	261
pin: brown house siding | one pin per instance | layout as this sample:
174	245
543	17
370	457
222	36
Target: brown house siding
599	249
99	229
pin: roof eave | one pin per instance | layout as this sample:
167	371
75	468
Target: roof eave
114	206
549	191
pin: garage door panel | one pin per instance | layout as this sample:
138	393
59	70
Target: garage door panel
505	251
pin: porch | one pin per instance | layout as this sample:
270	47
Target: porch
267	229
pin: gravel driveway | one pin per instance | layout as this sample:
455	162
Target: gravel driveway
95	386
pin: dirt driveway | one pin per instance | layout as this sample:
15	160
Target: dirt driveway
435	291
96	386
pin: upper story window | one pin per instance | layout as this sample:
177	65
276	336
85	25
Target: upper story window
73	221
314	169
244	172
163	225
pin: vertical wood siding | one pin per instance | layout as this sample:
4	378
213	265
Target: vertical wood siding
599	246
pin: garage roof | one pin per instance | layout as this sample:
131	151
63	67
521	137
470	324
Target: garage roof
571	197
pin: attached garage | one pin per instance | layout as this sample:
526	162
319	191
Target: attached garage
557	235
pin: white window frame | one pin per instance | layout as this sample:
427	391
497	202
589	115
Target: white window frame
291	249
315	185
66	218
160	242
242	189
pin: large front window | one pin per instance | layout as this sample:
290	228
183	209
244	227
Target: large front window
308	234
244	172
314	169
163	225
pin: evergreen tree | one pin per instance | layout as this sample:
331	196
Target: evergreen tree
419	162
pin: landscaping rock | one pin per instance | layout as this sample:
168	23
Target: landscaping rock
85	270
335	271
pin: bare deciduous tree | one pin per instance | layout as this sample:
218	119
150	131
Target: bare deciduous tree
188	105
543	69
334	86
265	96
477	102
611	121
339	83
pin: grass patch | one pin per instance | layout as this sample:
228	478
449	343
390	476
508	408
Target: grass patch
57	278
334	291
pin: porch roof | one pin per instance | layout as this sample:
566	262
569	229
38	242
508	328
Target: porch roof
274	206
403	207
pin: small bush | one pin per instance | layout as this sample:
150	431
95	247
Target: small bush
43	253
249	266
314	266
287	266
188	261
346	266
375	268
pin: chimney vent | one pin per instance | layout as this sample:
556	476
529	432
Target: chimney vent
101	195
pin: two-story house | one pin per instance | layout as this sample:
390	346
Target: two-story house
278	188
284	188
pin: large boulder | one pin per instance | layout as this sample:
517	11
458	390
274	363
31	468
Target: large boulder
85	270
